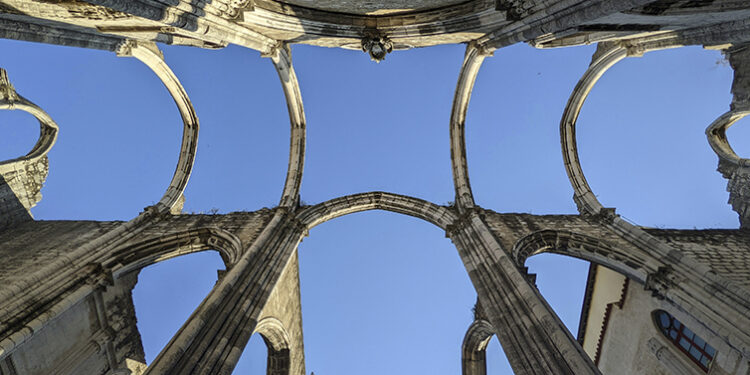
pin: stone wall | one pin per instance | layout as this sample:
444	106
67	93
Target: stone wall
75	342
30	246
726	251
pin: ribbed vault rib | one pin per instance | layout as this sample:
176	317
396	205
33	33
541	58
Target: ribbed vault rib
282	61
606	56
21	178
150	55
160	248
377	200
717	137
582	247
474	348
472	62
10	100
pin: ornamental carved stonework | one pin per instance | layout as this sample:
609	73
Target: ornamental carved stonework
515	9
739	193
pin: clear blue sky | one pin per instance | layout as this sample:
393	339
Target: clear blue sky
381	293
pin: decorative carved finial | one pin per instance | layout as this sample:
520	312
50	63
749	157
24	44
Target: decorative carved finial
128	47
478	311
277	49
7	91
661	281
377	47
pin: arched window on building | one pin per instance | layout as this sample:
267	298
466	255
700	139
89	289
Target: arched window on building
686	340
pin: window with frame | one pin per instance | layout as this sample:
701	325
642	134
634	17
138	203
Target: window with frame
684	339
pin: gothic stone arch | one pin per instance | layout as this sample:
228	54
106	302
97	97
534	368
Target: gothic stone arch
261	246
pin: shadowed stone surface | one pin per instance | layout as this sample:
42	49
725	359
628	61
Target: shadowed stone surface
373	7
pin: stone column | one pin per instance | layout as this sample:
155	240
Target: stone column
213	339
533	337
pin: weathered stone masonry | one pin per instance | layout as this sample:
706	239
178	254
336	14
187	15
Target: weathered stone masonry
72	279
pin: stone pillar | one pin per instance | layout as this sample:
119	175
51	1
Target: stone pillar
533	337
280	324
213	339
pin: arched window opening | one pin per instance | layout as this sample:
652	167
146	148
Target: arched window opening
562	282
497	362
672	114
739	137
19	132
168	292
278	360
686	340
260	140
130	154
256	358
390	295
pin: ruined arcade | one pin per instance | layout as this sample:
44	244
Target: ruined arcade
61	279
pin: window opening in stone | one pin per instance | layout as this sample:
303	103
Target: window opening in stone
497	362
672	115
168	292
560	289
255	357
375	277
686	340
739	137
19	131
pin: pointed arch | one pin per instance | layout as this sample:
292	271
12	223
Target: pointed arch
605	57
277	340
21	178
159	248
579	246
474	348
151	56
376	200
10	100
472	62
282	61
